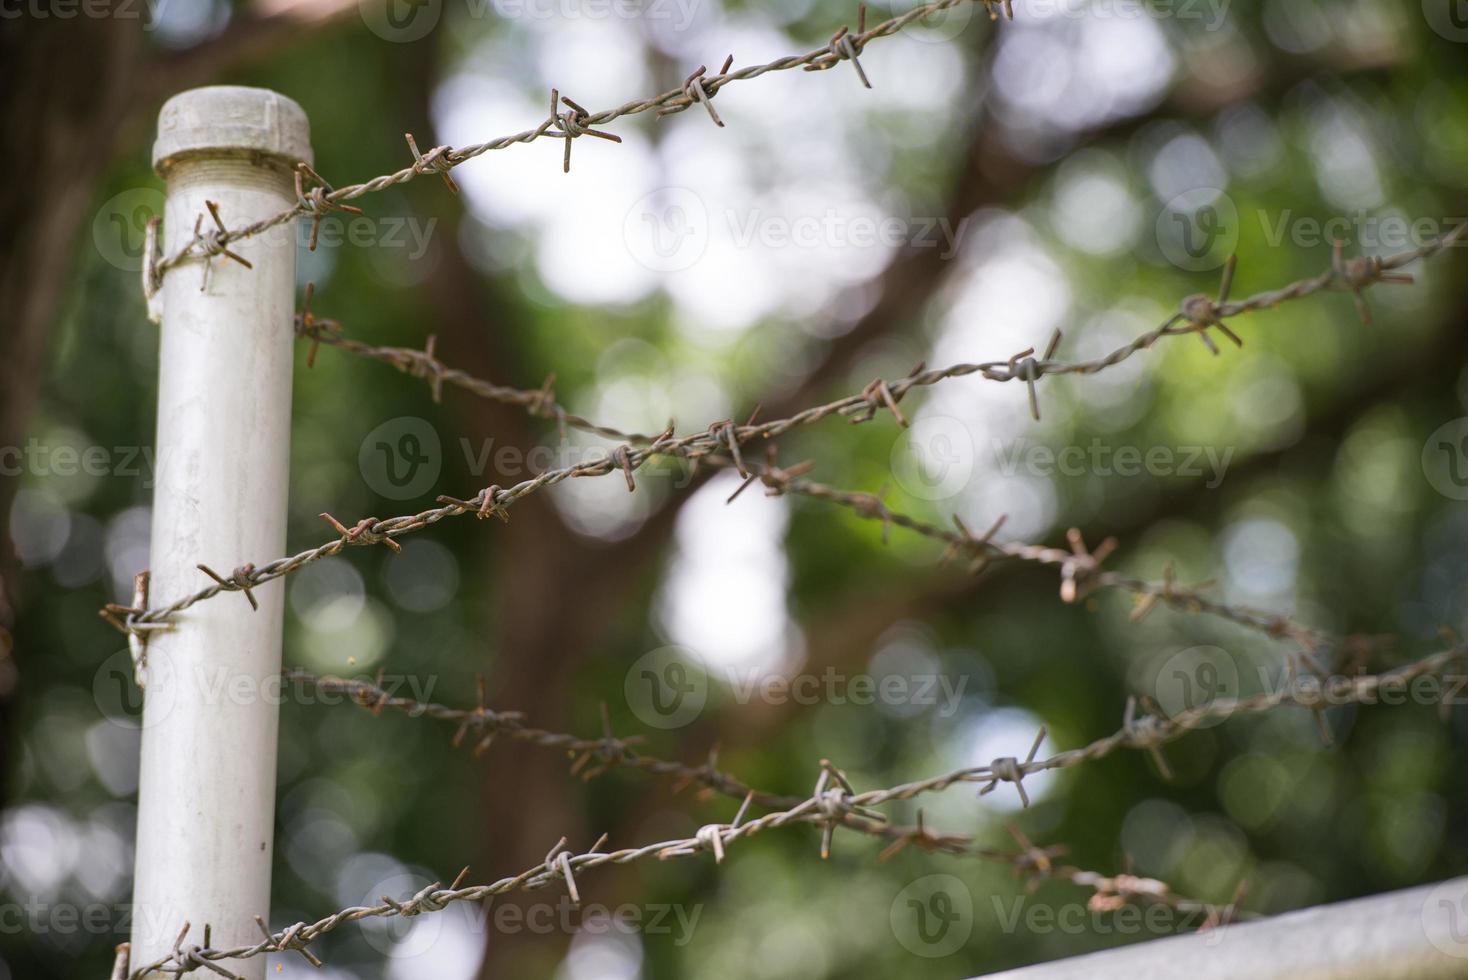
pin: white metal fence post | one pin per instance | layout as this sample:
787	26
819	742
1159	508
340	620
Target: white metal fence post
1417	934
206	797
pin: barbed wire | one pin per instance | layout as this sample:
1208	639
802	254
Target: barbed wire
568	123
1197	314
835	803
608	752
1080	566
722	435
591	757
1355	275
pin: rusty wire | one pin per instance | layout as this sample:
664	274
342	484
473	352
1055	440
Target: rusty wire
568	124
1148	730
1196	314
727	435
590	757
834	804
1080	566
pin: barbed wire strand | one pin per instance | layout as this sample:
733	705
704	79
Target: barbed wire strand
1080	566
611	752
1196	315
569	123
835	804
590	757
1356	275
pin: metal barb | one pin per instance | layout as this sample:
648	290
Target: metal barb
439	160
573	123
317	202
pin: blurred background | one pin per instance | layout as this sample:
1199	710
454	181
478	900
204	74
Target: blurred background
1083	167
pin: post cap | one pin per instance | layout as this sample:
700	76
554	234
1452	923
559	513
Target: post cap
231	117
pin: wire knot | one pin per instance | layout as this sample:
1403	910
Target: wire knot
1357	274
710	837
873	507
362	534
609	750
317	201
1078	571
727	434
1199	308
981	548
543	402
423	365
1203	313
698	90
425	901
834	797
439	160
214	243
558	865
242	579
878	394
290	940
834	803
1147	731
1025	367
485	503
573	122
194	956
1008	769
845	46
